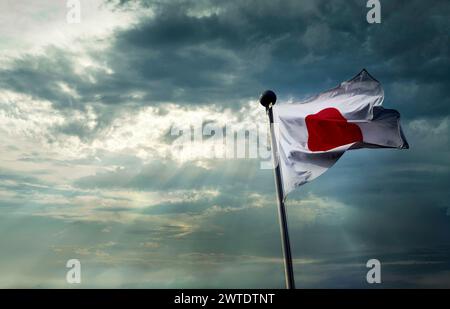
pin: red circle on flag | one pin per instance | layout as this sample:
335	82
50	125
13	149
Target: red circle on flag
328	129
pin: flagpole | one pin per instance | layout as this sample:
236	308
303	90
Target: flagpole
268	99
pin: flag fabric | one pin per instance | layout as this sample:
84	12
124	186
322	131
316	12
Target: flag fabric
313	134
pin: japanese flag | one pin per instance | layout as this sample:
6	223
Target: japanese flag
313	134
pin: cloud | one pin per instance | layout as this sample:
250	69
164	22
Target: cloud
224	57
89	166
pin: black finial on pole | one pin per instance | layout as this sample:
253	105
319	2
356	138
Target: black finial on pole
267	99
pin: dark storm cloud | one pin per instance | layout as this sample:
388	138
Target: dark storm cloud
240	48
295	47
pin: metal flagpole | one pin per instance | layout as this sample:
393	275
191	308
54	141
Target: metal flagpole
268	99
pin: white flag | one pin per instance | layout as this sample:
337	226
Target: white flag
313	134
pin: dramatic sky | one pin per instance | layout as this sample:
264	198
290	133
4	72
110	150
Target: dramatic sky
89	169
